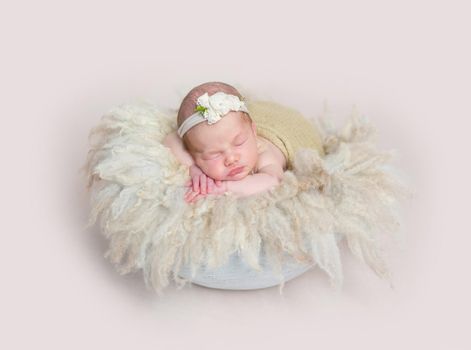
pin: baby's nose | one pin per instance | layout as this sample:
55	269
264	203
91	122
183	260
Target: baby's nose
231	159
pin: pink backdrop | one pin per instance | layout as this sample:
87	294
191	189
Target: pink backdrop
405	64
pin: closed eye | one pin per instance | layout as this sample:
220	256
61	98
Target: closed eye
212	156
241	143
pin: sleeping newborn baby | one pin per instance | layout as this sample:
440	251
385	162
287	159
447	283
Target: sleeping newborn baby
236	147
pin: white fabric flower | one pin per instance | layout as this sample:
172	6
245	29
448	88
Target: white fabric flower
218	105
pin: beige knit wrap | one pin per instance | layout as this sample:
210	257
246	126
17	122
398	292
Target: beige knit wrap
285	128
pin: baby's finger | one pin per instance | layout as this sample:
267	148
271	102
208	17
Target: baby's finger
191	196
188	192
210	185
187	197
196	184
203	184
196	198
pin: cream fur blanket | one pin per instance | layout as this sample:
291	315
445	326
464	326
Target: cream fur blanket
138	189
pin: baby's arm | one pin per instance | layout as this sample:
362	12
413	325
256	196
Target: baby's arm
200	184
267	178
175	143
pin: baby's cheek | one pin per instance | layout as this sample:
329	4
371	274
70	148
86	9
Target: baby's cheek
210	168
253	155
217	169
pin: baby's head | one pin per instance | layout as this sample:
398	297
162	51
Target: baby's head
226	149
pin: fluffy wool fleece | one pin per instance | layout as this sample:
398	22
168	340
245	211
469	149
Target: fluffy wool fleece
137	197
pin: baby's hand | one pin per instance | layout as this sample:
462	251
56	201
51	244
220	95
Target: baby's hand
201	185
200	182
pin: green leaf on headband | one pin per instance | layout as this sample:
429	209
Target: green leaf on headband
200	109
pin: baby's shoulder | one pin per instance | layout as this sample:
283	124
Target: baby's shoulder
268	154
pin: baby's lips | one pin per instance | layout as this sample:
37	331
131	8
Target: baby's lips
239	170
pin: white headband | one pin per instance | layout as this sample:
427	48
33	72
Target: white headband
212	109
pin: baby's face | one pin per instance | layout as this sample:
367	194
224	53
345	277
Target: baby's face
226	150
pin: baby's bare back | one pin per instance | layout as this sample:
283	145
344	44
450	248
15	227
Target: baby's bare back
269	154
